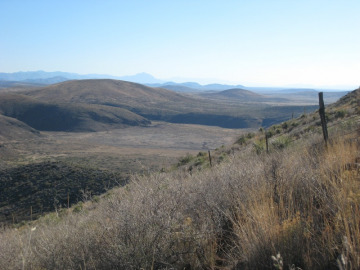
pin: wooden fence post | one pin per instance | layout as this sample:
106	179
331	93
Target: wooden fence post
322	117
267	142
210	158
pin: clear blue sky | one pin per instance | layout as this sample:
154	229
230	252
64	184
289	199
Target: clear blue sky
258	42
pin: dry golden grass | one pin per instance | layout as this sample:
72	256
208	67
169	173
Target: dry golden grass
305	210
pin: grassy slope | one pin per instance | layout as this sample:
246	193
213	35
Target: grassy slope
302	200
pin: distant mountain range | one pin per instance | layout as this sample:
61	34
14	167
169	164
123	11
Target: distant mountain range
45	78
193	86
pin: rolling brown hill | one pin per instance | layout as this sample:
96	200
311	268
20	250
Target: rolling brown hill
165	105
242	95
236	93
151	103
66	117
109	92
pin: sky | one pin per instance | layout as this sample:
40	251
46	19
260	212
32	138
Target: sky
248	42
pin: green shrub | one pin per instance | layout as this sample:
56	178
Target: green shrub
340	114
281	142
241	140
199	161
250	135
269	133
185	160
78	207
259	147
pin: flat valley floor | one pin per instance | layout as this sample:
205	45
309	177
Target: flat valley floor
129	150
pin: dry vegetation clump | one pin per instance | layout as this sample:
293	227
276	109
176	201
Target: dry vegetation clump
303	203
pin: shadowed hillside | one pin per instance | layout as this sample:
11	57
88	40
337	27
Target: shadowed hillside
66	117
36	189
13	129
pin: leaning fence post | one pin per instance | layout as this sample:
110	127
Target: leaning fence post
322	117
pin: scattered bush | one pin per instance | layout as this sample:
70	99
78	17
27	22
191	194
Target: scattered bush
281	142
241	140
340	114
185	160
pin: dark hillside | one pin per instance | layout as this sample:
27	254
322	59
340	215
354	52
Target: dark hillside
13	129
66	117
46	186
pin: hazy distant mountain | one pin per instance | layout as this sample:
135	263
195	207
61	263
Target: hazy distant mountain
194	87
43	77
143	78
18	84
51	80
36	75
